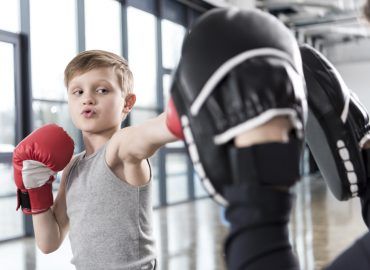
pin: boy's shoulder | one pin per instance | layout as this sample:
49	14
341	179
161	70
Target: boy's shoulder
76	157
73	163
122	140
68	168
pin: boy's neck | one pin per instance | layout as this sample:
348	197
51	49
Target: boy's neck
94	142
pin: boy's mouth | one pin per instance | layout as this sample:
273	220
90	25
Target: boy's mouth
88	113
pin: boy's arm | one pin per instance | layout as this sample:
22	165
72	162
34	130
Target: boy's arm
140	142
51	227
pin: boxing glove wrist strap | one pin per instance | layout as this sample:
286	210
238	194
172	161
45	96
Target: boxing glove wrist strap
41	198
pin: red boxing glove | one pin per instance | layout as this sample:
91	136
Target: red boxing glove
173	120
36	161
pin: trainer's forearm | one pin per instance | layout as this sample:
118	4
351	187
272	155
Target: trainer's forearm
47	233
259	237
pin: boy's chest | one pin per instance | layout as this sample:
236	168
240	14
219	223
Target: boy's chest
94	187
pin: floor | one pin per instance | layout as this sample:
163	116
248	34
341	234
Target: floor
190	235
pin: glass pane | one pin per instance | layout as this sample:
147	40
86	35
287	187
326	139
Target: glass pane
9	15
7	102
53	45
142	55
167	80
154	166
11	222
172	37
176	177
17	254
176	144
138	116
103	25
50	112
198	187
7	185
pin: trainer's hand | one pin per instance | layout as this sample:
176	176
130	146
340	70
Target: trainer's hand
36	161
244	80
338	126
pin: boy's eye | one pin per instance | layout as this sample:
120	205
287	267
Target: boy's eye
78	92
102	91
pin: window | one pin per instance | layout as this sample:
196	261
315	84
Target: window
54	112
142	56
176	177
155	178
7	94
9	15
172	37
53	45
167	82
198	187
138	116
11	221
103	25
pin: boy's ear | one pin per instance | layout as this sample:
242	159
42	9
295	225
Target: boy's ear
130	100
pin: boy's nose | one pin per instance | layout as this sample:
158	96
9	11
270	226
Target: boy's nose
88	100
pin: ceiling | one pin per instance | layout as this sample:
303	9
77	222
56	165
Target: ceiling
323	22
327	22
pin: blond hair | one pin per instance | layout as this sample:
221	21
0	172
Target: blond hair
89	60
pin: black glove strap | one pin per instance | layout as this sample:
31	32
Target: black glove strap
270	164
24	199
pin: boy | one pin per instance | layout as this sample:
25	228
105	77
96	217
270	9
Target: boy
104	198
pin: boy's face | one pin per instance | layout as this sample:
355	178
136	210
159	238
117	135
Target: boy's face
96	101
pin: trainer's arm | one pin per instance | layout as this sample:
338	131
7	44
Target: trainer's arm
51	227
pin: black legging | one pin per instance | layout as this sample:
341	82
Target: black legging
259	237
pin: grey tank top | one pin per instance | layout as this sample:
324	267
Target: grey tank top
110	220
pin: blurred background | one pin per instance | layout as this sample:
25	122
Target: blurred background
39	37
